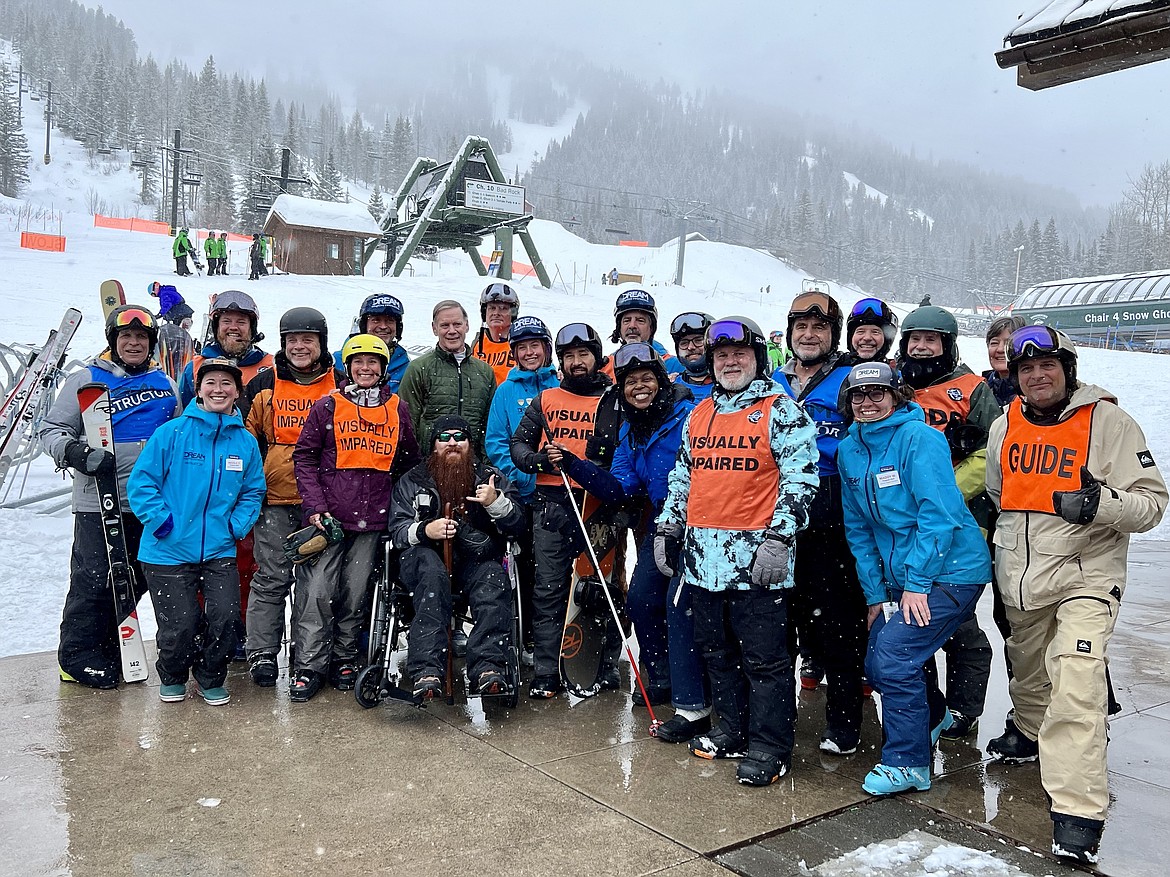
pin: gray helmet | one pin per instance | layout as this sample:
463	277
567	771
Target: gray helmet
235	300
501	293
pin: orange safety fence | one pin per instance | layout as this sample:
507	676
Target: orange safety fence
633	243
52	243
132	223
520	270
232	236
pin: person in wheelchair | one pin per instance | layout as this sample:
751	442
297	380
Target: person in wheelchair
450	518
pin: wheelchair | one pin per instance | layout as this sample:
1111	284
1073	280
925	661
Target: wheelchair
391	611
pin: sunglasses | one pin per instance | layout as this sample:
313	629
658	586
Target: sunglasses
130	316
873	394
638	353
1032	340
453	435
873	306
575	333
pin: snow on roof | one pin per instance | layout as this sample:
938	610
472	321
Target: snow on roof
310	213
1063	16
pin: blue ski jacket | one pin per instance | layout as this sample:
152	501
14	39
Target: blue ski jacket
907	523
699	391
399	360
820	404
509	403
196	488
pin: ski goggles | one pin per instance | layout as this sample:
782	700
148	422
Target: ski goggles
728	332
452	435
234	300
873	307
639	353
133	316
817	304
575	334
689	323
1033	341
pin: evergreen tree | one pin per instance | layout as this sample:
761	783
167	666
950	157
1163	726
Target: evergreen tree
328	182
376	205
14	154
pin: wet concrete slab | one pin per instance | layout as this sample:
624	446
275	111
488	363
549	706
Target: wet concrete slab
99	783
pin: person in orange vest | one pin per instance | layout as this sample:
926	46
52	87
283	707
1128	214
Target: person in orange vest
499	305
1073	477
740	491
572	416
960	405
276	403
354	444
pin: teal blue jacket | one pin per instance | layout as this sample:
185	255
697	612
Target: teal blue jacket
509	403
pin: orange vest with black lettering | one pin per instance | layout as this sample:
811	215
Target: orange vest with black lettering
497	354
291	403
247	371
734	477
1035	461
942	402
568	420
365	438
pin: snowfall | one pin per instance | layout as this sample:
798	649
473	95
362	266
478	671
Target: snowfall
36	287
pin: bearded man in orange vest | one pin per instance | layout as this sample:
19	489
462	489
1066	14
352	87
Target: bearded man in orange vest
276	403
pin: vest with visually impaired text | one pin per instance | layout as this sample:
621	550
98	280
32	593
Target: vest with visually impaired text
291	403
734	477
1035	461
569	420
366	438
950	400
497	354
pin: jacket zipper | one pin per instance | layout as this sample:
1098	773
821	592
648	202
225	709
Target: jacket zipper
212	485
876	511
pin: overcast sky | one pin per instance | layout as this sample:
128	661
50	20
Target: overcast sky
920	73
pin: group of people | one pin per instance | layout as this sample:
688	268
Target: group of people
838	513
215	250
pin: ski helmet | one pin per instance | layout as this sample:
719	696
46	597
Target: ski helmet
365	343
235	300
872	312
635	355
1038	342
500	293
870	374
922	372
127	317
579	335
737	330
689	323
383	304
529	329
304	320
820	305
219	364
634	298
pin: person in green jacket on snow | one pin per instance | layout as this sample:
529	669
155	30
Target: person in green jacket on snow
180	249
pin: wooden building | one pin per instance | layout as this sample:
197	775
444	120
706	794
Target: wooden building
318	237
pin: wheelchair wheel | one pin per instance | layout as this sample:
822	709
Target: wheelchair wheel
378	625
368	688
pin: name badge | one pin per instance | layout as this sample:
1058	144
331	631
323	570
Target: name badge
888	476
234	464
889	609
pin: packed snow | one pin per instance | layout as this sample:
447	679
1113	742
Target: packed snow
916	854
311	213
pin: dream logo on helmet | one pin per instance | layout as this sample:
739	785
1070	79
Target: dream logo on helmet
955	393
755	416
636	295
385	301
866	374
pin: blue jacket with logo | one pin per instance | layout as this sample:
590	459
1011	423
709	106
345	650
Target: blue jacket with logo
509	403
907	523
820	404
197	488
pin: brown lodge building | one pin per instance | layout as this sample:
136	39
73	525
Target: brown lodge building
318	237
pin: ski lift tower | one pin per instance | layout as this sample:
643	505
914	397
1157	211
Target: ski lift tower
455	205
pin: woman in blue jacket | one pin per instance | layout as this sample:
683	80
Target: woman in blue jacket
653	412
921	559
197	488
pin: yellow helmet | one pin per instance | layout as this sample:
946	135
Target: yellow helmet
366	344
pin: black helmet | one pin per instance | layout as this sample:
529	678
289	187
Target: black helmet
382	304
1038	342
636	355
820	305
579	335
869	374
304	320
127	317
220	364
689	323
737	330
498	292
530	329
235	300
633	298
872	312
921	373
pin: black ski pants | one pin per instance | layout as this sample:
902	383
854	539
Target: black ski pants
181	266
485	586
89	628
827	611
968	654
193	640
740	635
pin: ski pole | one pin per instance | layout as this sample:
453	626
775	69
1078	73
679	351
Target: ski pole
654	721
448	562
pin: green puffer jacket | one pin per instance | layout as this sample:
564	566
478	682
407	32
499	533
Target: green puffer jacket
435	384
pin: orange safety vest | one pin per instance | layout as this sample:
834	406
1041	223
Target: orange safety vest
497	354
734	477
569	420
248	371
366	438
1035	461
942	403
291	403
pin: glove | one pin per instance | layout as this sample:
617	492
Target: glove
667	547
1079	506
770	565
87	460
472	543
964	439
599	449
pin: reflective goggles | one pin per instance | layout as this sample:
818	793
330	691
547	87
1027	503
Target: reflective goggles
689	323
808	303
728	332
234	300
1033	341
635	354
130	316
452	435
575	334
875	307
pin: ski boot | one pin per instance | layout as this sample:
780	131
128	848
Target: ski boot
1012	747
718	743
887	780
961	726
1076	838
759	769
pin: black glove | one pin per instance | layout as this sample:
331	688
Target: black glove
472	543
1079	506
87	460
599	449
964	439
667	547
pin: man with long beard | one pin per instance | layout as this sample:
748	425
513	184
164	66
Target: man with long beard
453	498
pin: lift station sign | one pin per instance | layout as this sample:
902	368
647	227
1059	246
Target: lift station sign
495	197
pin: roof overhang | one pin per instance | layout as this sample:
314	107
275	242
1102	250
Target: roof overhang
1114	44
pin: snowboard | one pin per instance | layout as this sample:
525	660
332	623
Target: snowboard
112	296
94	401
175	349
587	614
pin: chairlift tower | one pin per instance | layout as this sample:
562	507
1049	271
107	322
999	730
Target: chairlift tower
455	205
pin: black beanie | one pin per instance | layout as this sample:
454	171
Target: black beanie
447	422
